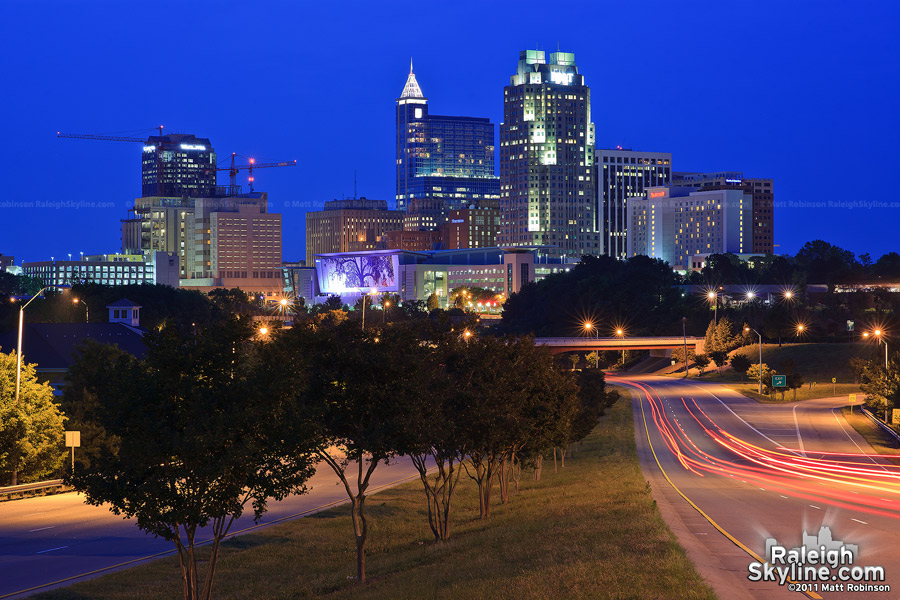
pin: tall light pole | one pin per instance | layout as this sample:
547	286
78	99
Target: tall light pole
384	307
714	297
87	312
588	327
760	356
878	333
684	333
365	299
15	466
620	333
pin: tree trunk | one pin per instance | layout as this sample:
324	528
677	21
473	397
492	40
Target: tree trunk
555	470
562	457
538	467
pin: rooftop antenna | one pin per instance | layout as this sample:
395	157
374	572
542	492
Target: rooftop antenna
355	197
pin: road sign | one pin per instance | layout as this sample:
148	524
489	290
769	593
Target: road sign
73	439
851	325
834	380
852	398
779	380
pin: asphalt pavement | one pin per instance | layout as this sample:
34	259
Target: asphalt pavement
740	472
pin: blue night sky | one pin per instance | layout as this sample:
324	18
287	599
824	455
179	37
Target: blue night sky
804	92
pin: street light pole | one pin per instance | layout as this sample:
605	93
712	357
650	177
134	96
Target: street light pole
684	333
15	470
760	358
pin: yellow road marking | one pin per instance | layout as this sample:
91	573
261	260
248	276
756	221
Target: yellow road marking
733	539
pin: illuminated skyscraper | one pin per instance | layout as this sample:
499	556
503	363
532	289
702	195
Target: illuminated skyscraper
439	157
547	157
620	175
186	165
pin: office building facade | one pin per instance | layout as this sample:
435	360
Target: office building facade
349	226
441	157
547	157
621	174
221	241
472	228
678	223
763	193
178	165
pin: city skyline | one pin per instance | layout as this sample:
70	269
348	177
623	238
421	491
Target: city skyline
794	106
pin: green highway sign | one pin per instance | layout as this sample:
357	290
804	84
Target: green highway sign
779	380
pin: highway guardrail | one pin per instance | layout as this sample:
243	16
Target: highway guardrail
878	422
38	488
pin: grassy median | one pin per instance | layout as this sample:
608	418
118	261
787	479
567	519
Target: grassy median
592	530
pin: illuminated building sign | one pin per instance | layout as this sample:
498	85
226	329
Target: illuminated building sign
193	147
658	194
149	148
732	181
457	220
347	274
562	78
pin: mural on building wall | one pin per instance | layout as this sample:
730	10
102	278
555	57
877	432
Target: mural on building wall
351	273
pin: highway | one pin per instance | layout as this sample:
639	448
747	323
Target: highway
52	538
728	473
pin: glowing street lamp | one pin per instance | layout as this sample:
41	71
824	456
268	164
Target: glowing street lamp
384	307
714	297
878	333
263	330
87	313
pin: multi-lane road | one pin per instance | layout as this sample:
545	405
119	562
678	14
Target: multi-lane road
728	473
55	540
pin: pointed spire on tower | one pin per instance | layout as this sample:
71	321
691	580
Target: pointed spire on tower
412	89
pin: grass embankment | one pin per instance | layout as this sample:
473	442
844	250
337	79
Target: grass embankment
590	531
817	363
879	439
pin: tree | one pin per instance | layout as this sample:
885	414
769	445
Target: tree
720	357
793	377
192	449
362	387
881	386
574	358
31	433
434	432
761	370
433	302
702	361
740	364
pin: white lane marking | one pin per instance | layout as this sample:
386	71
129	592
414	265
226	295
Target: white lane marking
41	528
738	416
763	489
51	550
783	496
816	507
858	521
37	513
797	425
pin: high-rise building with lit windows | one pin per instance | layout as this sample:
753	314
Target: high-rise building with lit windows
677	223
620	174
763	201
547	157
439	157
178	165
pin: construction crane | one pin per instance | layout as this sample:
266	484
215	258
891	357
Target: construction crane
232	169
251	164
119	138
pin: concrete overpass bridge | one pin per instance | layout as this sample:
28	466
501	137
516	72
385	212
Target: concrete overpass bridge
658	346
